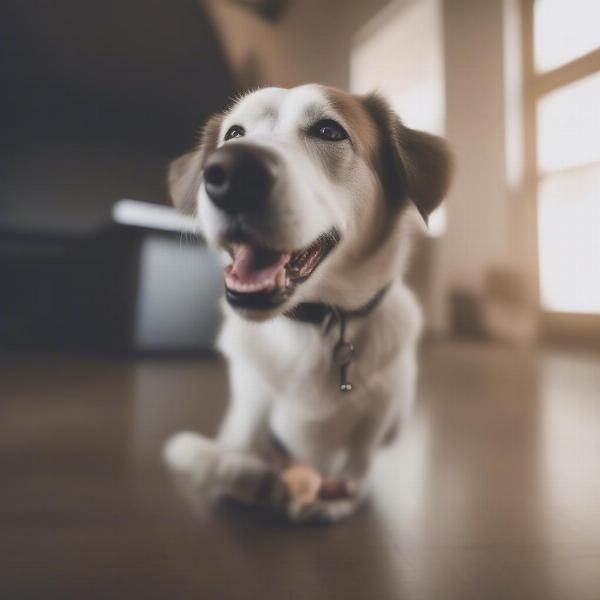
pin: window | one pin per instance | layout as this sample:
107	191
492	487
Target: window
564	30
569	125
564	88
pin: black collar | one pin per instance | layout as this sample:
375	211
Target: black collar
325	314
316	312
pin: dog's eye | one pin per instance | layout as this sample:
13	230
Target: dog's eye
328	129
235	131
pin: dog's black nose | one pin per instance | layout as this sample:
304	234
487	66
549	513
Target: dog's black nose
238	178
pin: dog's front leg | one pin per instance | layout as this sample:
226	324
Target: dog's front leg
390	406
232	465
340	496
244	426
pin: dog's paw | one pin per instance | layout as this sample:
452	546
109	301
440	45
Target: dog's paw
317	499
321	511
192	458
250	480
206	472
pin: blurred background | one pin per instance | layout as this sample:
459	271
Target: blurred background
99	97
108	302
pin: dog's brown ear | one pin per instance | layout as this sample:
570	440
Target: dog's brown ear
413	163
185	173
427	164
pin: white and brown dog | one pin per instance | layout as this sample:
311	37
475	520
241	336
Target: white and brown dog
308	194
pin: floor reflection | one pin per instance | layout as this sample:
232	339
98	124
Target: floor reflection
492	491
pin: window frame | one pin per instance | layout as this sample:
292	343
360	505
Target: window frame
536	85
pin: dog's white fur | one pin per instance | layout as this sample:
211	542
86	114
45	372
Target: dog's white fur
283	381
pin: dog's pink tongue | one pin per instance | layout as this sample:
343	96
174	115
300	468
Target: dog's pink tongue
253	268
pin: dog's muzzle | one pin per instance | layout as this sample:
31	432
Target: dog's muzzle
239	178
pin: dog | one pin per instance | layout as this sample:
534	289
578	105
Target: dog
310	195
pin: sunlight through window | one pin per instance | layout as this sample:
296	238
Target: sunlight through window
564	30
569	197
569	125
569	240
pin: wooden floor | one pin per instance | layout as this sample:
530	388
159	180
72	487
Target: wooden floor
492	492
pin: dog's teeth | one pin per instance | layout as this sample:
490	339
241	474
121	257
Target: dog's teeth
239	286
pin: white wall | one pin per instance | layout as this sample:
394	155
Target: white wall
399	53
478	215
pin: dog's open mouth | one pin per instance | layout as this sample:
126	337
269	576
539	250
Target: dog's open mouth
263	278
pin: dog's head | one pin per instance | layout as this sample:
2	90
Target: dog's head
305	187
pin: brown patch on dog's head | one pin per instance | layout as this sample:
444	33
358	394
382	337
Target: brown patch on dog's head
185	172
364	131
411	164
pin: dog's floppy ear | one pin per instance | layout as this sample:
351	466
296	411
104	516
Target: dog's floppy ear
413	163
185	173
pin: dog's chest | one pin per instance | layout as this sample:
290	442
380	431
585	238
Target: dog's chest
297	360
309	413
